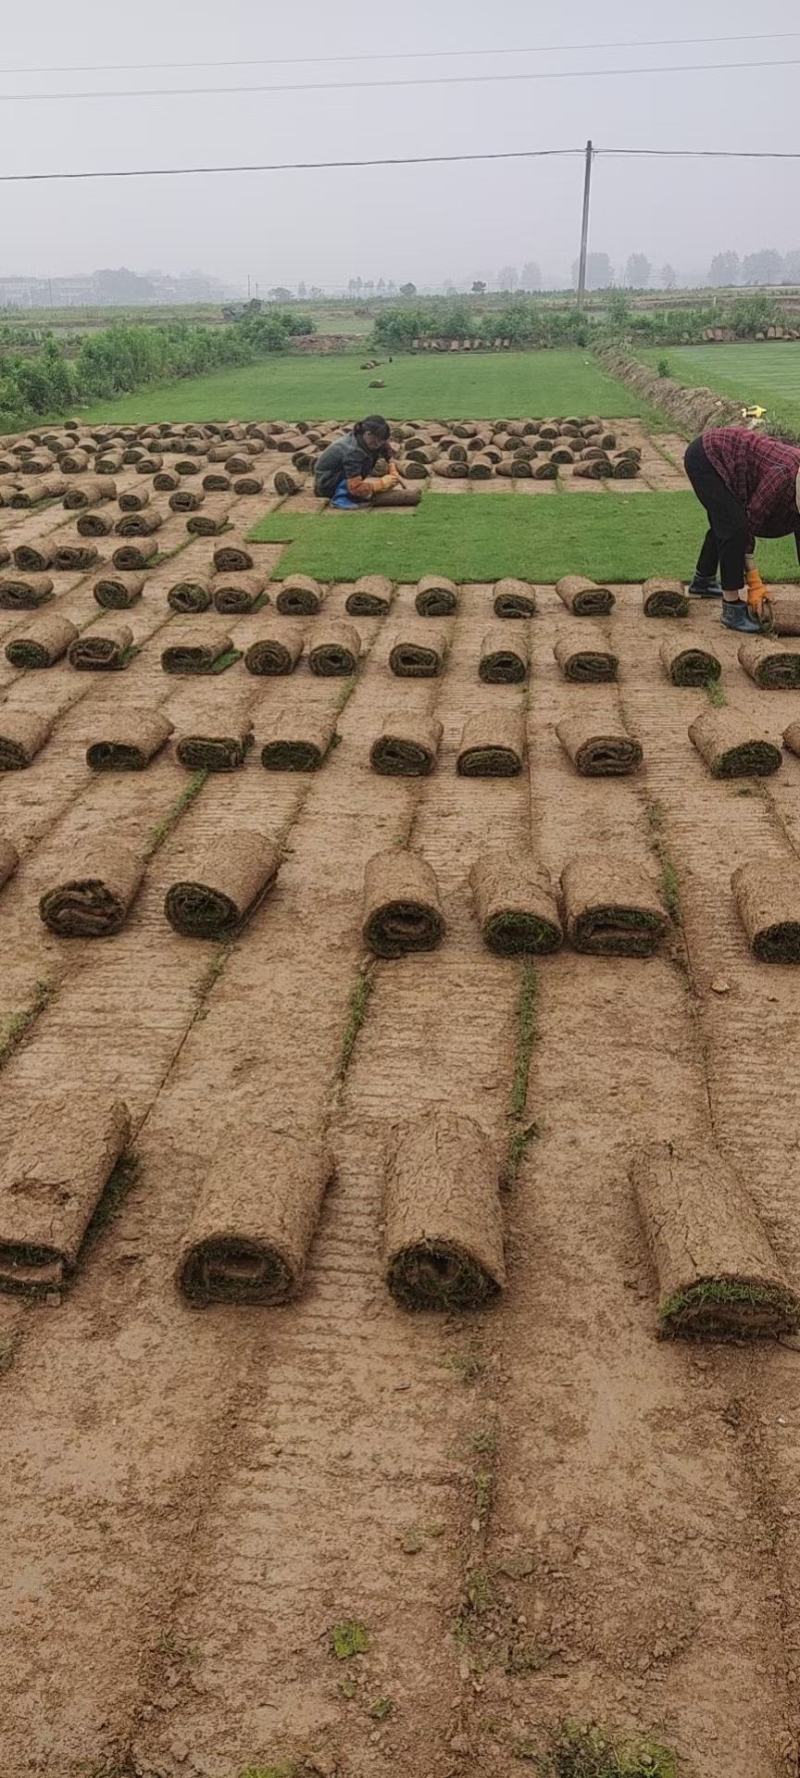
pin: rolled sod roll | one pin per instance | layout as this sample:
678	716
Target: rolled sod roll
249	484
225	882
219	746
25	592
297	743
187	498
481	468
402	909
22	734
784	605
791	737
504	658
101	651
285	483
34	558
42	643
90	493
687	661
95	524
514	598
436	597
625	469
192	594
335	650
166	481
443	1241
515	903
196	654
730	747
420	653
492	745
664	598
239	593
118	592
52	1177
717	1273
611	907
216	482
772	667
131	558
545	470
599	744
299	596
134	499
249	1237
207	523
274	654
584	598
406	746
96	900
233	558
767	894
584	655
372	596
127	740
75	558
139	524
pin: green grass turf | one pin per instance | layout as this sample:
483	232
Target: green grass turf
484	537
462	386
763	375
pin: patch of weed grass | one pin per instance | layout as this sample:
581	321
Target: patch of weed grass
287	1769
173	815
670	887
585	1751
356	1014
715	693
19	1023
348	1639
380	1709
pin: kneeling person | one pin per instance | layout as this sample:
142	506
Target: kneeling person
345	471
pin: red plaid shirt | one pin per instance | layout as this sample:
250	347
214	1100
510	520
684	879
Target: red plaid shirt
761	474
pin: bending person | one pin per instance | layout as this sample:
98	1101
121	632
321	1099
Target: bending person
345	471
750	487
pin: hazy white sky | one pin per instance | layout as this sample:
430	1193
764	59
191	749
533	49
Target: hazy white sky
424	223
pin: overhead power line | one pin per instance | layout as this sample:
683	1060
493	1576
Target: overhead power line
405	160
423	55
343	86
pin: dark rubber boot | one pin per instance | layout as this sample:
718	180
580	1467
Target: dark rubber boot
705	587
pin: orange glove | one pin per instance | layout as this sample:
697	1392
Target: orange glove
378	484
757	597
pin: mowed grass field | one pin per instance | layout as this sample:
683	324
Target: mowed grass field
765	374
616	537
489	385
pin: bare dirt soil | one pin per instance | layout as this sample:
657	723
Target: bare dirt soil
536	1512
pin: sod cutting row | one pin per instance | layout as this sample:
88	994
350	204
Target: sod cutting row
605	907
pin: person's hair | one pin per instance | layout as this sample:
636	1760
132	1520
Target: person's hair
375	424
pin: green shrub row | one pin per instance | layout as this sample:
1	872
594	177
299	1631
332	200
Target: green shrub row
115	360
527	322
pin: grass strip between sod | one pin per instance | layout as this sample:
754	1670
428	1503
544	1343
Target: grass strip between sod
617	537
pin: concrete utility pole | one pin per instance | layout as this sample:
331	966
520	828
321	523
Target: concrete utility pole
587	188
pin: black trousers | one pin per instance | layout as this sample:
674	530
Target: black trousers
727	540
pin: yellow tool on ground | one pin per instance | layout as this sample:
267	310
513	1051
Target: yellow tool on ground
757	595
755	415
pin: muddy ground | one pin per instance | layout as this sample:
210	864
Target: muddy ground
536	1512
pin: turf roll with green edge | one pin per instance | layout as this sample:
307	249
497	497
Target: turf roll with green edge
223	885
767	894
515	903
492	745
611	907
731	745
443	1226
718	1276
402	909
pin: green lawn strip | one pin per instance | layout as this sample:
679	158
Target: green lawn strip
615	537
490	385
766	375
